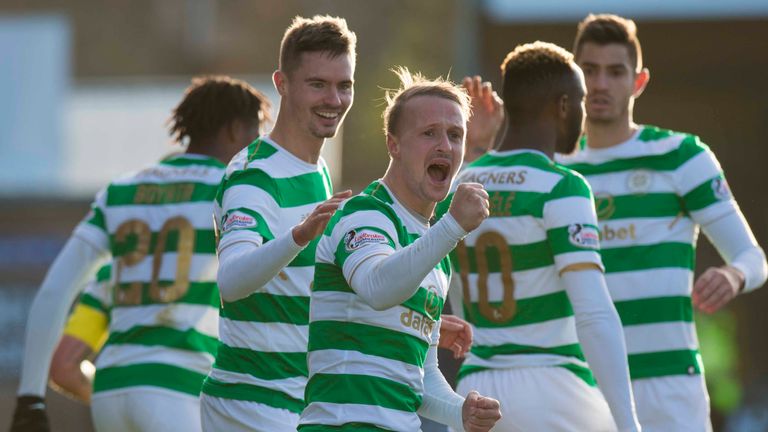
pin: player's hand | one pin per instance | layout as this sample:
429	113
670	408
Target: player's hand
455	335
30	415
487	116
315	223
479	413
716	287
469	205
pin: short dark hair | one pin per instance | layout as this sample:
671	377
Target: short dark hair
607	29
212	102
415	84
319	33
531	73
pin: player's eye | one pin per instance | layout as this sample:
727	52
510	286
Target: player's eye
429	132
317	84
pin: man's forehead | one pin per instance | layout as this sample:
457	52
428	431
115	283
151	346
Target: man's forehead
604	54
429	109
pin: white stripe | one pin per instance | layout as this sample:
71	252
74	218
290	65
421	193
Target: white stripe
563	212
293	387
266	337
617	183
283	164
339	414
199	214
563	260
668	336
526	284
173	174
535	180
178	316
202	268
346	307
548	334
697	170
641	284
517	230
123	355
356	363
629	149
645	231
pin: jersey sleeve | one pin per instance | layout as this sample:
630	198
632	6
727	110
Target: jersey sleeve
701	183
93	228
89	322
571	223
245	207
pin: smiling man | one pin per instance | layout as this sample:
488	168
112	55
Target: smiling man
654	189
273	201
382	274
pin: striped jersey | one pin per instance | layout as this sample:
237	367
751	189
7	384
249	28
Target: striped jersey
262	352
651	193
89	321
366	367
542	222
164	300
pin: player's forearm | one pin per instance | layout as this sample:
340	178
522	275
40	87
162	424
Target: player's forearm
65	279
602	339
72	381
245	267
373	279
440	403
735	242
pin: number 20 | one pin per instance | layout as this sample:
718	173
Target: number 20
508	307
185	248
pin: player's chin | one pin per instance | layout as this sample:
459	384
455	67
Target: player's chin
436	192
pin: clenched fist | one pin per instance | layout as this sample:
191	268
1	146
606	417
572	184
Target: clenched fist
480	413
469	205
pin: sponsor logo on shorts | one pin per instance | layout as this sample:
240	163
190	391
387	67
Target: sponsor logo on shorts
584	236
354	239
238	220
721	189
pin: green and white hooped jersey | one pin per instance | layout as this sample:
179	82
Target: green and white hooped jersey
262	353
651	192
163	318
542	222
366	366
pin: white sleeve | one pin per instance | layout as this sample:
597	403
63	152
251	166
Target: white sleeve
456	295
67	276
372	278
440	403
245	267
731	235
602	339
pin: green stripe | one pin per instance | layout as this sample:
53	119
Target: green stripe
260	149
189	340
367	339
189	161
91	301
306	258
368	203
581	372
561	242
252	393
329	277
263	365
303	189
104	273
660	255
655	310
148	374
198	293
528	311
703	195
488	351
268	308
638	206
160	193
426	302
524	257
664	363
343	252
362	390
653	133
204	243
346	427
669	161
96	218
378	191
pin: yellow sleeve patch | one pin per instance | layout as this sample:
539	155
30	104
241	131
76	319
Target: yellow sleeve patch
88	324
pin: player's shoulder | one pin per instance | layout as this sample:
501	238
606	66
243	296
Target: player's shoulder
680	144
571	183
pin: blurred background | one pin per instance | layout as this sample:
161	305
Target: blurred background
86	87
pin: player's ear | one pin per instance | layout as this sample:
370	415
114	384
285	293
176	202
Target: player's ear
393	146
641	81
278	79
562	106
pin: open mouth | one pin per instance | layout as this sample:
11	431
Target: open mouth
328	115
439	171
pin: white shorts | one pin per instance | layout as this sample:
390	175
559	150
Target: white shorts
541	399
677	403
145	409
231	415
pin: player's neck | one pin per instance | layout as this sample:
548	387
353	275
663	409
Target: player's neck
604	135
205	149
540	136
297	141
396	183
